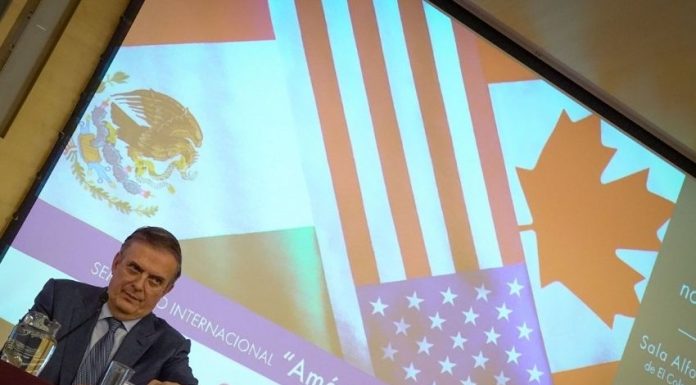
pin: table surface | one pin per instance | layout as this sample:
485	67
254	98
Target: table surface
10	375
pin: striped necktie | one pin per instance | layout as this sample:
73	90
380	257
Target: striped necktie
94	364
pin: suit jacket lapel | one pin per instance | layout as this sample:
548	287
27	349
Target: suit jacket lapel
84	316
137	341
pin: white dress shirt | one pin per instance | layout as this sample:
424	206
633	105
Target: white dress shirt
102	327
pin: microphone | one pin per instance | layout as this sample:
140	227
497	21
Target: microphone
103	297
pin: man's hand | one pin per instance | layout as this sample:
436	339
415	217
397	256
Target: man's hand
158	382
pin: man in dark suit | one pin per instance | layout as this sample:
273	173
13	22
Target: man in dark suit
143	271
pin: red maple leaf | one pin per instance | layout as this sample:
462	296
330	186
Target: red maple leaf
581	222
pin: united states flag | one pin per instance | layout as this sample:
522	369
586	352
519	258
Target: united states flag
469	328
403	161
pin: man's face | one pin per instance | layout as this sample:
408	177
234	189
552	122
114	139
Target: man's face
142	275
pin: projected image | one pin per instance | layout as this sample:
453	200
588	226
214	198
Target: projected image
365	193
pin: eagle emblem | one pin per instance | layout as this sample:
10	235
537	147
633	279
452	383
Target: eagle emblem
132	145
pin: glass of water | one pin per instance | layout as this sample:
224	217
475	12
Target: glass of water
117	374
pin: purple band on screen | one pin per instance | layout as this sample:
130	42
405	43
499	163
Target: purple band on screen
84	252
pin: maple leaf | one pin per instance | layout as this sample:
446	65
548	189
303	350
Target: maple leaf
581	222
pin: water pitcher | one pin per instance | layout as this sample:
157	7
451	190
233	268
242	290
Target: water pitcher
31	342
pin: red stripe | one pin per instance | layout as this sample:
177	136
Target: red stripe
337	142
391	152
437	131
488	144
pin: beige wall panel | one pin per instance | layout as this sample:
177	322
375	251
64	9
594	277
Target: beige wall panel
9	17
